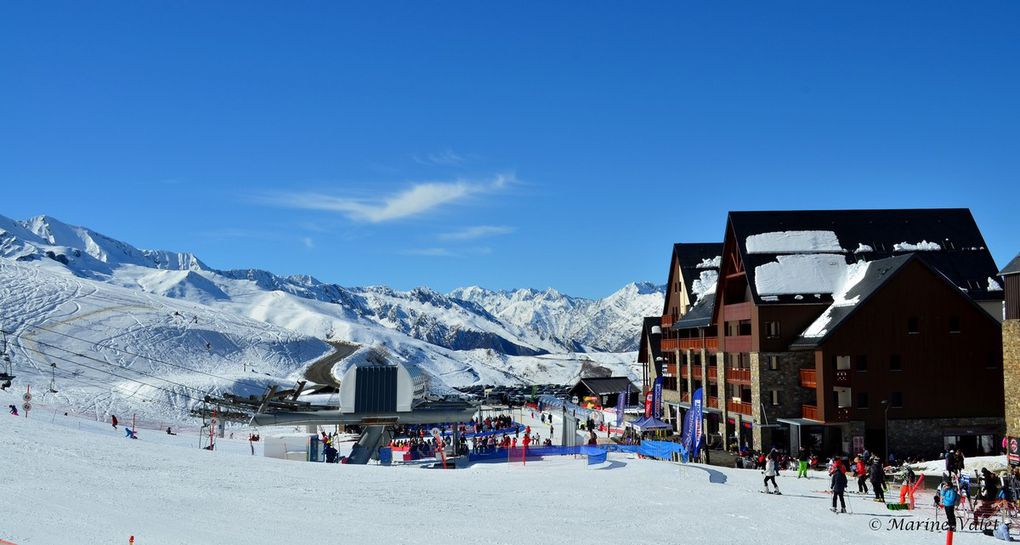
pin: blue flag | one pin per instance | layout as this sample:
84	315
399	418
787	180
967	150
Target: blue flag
691	438
621	404
657	398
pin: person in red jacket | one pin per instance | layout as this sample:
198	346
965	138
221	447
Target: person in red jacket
113	420
862	476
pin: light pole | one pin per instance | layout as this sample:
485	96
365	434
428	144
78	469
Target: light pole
887	405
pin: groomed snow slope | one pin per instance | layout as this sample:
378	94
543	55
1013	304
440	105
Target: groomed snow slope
119	350
95	487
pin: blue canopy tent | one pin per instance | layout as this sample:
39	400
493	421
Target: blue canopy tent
647	423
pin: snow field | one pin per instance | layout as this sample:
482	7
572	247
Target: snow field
91	486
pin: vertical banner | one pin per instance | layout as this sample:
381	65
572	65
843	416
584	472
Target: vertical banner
691	437
621	405
648	404
657	398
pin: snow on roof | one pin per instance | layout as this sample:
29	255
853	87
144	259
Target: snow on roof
852	275
801	273
923	246
704	284
713	263
863	248
994	285
793	242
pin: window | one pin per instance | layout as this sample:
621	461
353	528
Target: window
896	400
862	400
774	397
843	363
772	330
862	363
744	327
913	325
773	363
954	324
895	363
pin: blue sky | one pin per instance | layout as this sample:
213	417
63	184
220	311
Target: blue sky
562	144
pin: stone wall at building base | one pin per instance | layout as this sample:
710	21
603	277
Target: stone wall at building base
1011	374
924	436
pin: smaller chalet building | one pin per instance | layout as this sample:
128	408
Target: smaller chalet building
835	329
606	389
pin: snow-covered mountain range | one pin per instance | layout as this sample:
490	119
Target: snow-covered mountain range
177	308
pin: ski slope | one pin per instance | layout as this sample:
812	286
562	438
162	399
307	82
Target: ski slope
89	485
117	350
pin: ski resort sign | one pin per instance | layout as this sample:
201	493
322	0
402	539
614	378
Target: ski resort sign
1013	451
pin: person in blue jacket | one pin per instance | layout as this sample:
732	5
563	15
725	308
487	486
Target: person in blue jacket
950	497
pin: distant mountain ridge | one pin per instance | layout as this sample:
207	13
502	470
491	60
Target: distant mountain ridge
522	322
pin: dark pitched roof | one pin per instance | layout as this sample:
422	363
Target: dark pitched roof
879	272
647	333
700	315
608	385
962	257
689	256
1013	267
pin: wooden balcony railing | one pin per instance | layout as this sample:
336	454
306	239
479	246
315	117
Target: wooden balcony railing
713	402
738	375
696	369
808	378
683	371
669	345
685	397
741	407
712	344
809	412
667	321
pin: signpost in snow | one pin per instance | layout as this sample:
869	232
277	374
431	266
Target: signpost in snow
27	405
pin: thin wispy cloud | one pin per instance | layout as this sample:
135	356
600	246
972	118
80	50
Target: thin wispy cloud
431	252
446	252
477	231
308	242
417	199
447	158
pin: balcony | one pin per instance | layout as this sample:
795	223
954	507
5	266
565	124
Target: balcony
713	373
809	412
809	378
669	345
741	407
696	369
739	343
713	402
667	321
738	375
737	311
710	344
683	371
685	397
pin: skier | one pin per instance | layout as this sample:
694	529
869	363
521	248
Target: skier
838	485
771	470
113	420
877	475
862	476
129	434
802	463
14	410
949	499
169	431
